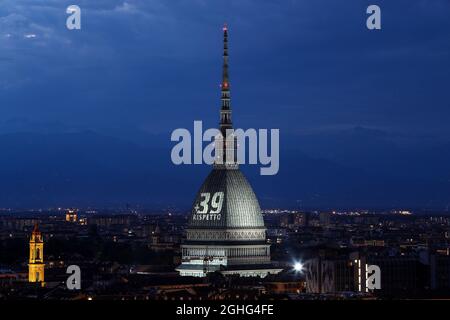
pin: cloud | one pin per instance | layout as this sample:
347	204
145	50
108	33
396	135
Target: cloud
126	7
315	57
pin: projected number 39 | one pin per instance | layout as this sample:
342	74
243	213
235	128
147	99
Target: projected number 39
209	208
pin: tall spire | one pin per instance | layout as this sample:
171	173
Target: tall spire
225	111
227	144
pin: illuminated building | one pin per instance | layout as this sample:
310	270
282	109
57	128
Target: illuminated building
83	221
399	275
71	215
36	261
226	229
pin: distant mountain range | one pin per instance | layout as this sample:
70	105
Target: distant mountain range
354	168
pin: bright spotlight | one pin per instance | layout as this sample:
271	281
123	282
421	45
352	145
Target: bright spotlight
298	266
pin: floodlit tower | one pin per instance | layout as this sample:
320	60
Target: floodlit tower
36	261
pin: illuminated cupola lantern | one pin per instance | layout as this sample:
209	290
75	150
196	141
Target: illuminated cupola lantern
226	230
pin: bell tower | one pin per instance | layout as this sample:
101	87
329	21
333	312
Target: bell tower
36	261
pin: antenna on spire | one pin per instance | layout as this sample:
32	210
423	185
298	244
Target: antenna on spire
225	80
225	118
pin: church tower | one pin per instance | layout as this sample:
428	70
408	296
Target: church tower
36	261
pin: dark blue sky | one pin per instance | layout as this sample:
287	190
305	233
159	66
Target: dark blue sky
363	115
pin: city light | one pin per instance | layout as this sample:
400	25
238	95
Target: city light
298	266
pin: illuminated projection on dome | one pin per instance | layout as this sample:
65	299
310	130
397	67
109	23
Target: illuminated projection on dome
209	208
226	231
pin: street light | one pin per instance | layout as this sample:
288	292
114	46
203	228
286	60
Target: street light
298	266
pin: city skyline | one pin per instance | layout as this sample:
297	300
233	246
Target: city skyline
207	158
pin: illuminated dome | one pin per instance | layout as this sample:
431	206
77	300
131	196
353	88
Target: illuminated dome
240	207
